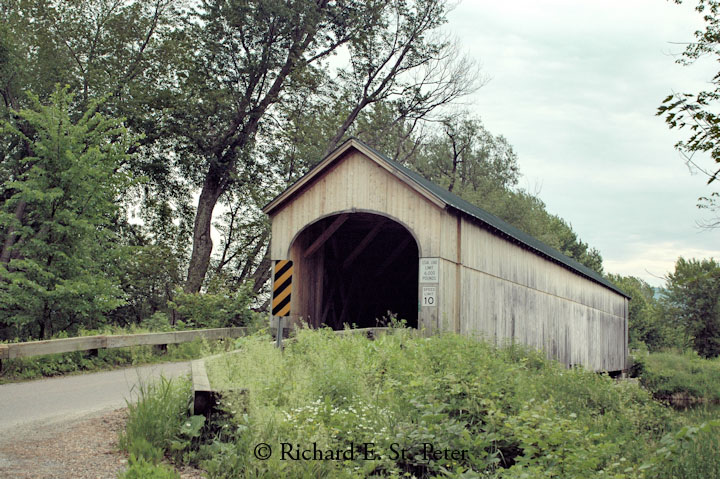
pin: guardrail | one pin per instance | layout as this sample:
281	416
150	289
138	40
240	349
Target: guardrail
90	343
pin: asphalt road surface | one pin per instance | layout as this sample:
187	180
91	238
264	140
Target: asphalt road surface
47	401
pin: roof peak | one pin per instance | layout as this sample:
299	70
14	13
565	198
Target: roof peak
442	198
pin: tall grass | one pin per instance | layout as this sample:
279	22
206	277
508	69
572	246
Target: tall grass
485	411
156	418
680	374
513	411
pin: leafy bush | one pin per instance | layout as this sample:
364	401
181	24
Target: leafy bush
218	308
686	375
689	453
156	418
512	412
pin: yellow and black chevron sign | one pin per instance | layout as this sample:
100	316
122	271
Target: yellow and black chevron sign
282	286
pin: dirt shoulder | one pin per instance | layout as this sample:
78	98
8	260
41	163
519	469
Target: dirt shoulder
83	448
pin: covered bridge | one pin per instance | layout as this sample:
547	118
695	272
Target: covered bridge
368	236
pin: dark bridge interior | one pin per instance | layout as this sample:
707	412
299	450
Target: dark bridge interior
355	269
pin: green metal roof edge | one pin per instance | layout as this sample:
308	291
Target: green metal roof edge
495	223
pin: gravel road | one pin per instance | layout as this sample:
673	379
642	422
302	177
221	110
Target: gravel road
65	398
67	427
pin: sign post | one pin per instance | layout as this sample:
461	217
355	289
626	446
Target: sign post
282	289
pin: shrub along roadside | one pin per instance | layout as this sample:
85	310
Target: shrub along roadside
389	401
682	378
154	422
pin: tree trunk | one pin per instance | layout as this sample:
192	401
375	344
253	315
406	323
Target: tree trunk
352	116
263	271
202	242
11	235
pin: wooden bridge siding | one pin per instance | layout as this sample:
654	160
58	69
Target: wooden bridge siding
509	293
506	291
491	254
569	332
357	184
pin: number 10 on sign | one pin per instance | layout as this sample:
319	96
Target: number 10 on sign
429	296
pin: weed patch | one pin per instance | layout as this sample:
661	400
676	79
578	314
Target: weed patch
408	406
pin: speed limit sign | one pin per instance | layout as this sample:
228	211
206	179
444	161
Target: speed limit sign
429	296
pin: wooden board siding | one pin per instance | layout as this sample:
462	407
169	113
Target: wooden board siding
489	253
357	184
509	293
487	286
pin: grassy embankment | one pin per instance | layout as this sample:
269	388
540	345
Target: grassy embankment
681	378
403	406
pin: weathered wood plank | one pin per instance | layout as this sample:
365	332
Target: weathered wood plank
125	340
203	397
53	346
326	234
363	244
175	337
199	376
86	343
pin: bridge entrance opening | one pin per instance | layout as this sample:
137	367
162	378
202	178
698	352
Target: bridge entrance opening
356	269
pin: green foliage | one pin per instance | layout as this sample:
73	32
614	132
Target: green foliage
156	418
648	323
515	413
689	453
219	307
465	157
685	375
692	297
140	468
148	276
60	251
697	111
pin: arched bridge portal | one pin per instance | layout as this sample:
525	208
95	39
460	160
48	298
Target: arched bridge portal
355	268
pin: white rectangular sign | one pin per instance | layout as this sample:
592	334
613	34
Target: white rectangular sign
429	270
429	296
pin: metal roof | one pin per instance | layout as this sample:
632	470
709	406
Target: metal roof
492	222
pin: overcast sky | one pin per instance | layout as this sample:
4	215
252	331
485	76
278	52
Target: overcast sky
574	87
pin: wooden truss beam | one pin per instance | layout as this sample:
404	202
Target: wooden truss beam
362	245
393	256
326	234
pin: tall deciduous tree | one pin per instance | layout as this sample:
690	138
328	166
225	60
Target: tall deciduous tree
248	55
252	57
693	300
59	271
